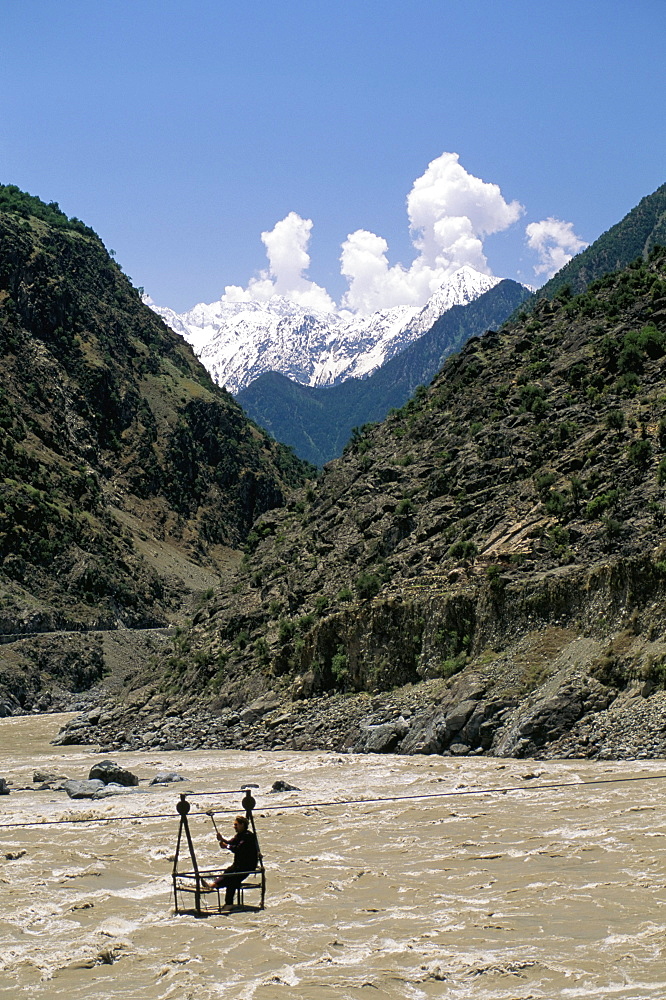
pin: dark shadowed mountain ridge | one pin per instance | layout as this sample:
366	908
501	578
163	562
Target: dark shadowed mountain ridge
317	421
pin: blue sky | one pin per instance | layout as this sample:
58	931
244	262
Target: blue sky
182	131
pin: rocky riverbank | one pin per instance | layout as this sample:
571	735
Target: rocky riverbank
433	717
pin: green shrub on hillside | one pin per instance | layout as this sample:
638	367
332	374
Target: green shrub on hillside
599	505
615	420
367	585
639	452
465	550
12	199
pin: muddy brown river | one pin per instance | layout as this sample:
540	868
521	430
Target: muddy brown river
518	894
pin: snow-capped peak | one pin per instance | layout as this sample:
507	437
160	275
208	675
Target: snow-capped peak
238	341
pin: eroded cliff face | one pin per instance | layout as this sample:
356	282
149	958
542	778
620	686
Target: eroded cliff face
483	573
570	664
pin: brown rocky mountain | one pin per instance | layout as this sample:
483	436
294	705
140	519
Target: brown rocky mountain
484	572
128	479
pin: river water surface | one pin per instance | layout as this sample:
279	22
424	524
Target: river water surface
539	892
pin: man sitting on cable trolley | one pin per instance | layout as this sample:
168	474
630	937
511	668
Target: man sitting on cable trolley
243	846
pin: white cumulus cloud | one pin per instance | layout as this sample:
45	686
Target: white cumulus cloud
554	242
450	211
373	283
288	261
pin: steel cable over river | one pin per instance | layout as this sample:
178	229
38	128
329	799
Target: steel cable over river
303	806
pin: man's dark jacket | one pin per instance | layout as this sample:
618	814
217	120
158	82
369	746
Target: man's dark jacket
245	852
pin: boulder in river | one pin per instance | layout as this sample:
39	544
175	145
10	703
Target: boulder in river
108	771
167	779
284	786
82	789
106	791
47	777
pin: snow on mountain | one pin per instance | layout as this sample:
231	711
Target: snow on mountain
238	341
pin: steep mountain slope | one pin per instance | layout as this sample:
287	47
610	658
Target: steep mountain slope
634	236
127	478
239	341
317	421
493	555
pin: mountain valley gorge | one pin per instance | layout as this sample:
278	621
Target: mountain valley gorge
484	572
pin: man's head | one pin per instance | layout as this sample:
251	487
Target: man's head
240	824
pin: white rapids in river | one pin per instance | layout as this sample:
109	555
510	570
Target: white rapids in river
539	892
